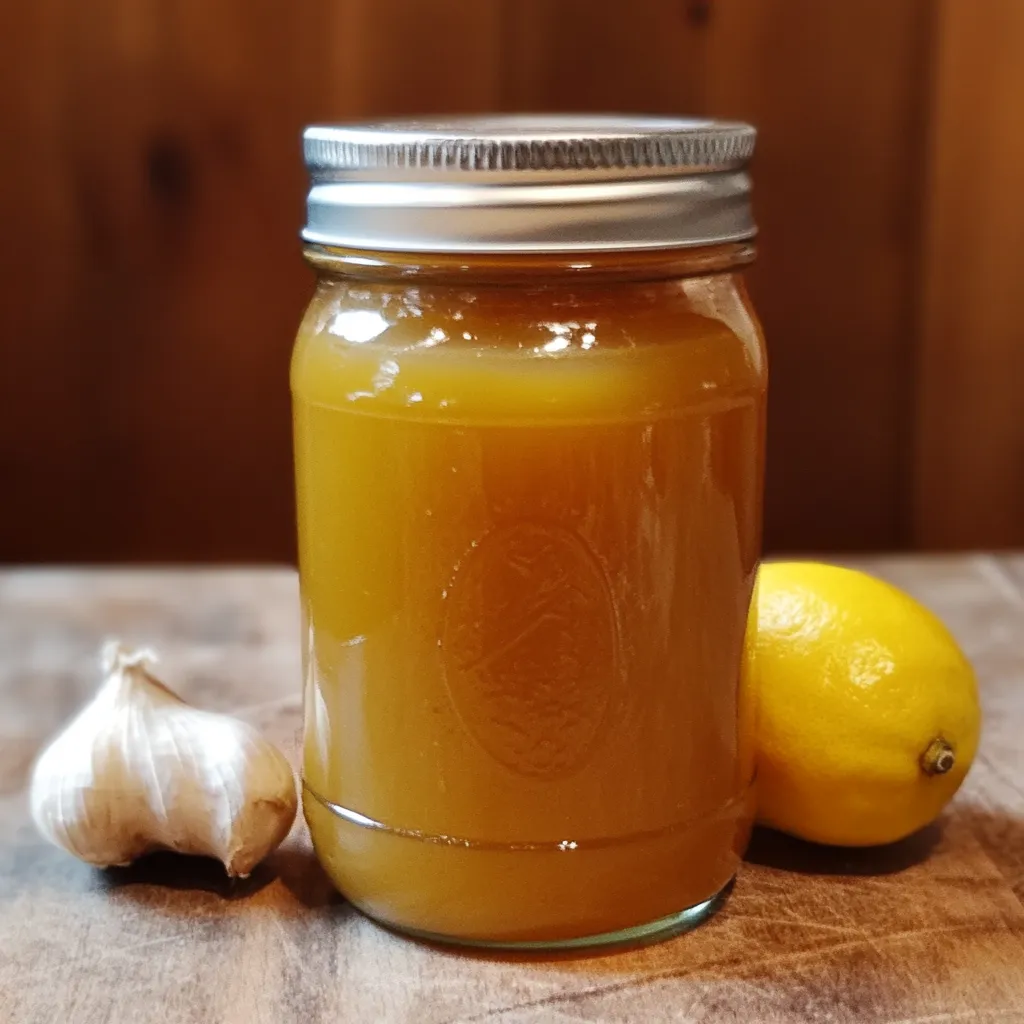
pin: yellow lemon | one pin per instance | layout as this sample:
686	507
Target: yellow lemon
868	714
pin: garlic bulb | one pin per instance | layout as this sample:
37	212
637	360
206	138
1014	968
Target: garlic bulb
139	770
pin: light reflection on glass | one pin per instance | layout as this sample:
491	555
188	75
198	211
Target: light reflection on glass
717	298
364	261
563	335
385	375
409	303
560	329
556	345
358	325
436	334
435	337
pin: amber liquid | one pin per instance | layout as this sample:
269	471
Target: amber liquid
529	526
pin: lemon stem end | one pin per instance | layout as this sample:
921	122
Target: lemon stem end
939	757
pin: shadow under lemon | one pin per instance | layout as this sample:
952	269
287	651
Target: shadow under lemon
773	849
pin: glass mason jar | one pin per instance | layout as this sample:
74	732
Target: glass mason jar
529	399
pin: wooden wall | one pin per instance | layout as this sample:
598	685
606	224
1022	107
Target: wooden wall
969	445
152	191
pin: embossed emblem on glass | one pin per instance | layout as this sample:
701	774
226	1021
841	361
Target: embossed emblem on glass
529	647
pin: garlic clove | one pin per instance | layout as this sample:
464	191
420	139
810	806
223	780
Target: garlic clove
139	769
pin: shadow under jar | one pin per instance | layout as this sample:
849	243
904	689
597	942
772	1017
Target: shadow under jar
529	399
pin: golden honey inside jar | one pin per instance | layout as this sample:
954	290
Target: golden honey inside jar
529	424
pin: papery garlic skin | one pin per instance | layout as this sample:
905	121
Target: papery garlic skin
139	770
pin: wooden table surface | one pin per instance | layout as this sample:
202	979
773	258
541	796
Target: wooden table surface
930	931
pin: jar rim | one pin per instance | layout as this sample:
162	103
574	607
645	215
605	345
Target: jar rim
503	268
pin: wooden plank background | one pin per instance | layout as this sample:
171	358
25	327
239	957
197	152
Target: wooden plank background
151	279
970	441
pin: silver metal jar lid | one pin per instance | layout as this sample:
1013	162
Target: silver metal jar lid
573	183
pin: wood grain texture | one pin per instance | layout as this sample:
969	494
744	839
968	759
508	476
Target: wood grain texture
152	282
837	178
970	439
931	930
